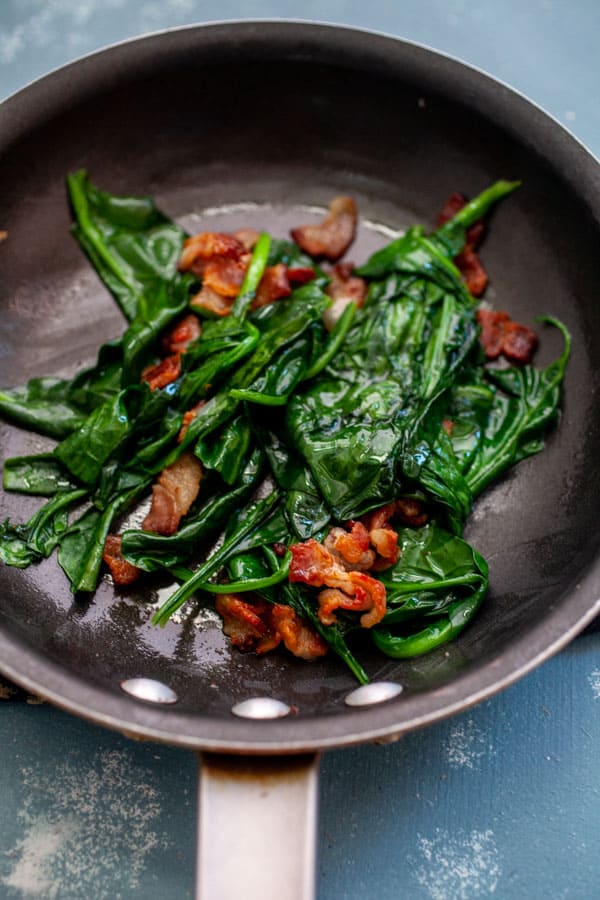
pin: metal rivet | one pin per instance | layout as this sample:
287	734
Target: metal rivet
376	692
260	708
148	689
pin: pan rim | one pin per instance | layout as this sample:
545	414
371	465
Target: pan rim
121	713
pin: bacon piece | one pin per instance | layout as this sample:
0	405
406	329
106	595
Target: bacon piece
519	342
344	288
313	564
351	549
454	204
123	572
472	271
253	624
174	492
211	302
273	285
244	623
224	276
298	637
247	236
300	274
499	334
332	237
382	536
411	512
188	417
178	338
206	244
163	373
448	426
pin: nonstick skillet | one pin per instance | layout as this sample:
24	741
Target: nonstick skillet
252	123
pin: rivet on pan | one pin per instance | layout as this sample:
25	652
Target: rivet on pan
376	692
260	708
148	689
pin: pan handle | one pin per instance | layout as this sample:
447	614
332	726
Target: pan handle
257	827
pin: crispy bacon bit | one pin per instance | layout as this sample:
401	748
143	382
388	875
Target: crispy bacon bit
382	536
313	564
253	624
344	288
298	637
123	572
174	492
468	262
163	373
188	417
499	334
300	274
244	623
180	336
332	237
247	236
448	426
351	549
411	512
224	276
206	244
472	271
279	549
211	302
273	285
519	342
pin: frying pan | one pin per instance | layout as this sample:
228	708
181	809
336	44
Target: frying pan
257	122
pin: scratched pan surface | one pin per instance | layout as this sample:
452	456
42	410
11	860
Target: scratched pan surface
251	123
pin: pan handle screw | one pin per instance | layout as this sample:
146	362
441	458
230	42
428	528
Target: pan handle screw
261	708
148	689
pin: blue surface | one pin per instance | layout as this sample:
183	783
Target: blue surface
502	800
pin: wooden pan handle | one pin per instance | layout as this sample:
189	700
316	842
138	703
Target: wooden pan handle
257	827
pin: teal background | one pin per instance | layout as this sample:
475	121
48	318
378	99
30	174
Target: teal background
500	801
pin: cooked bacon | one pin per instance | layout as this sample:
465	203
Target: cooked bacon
448	426
300	274
163	373
174	492
468	262
314	565
211	302
519	343
411	512
382	536
454	204
332	237
273	286
123	572
188	417
351	549
298	637
224	276
178	338
244	623
253	624
499	334
247	236
206	244
472	271
344	288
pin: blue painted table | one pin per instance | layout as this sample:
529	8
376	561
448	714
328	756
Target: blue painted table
502	800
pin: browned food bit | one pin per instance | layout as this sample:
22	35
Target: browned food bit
382	536
314	565
300	274
212	302
175	490
299	638
255	625
499	334
467	262
411	512
201	247
247	236
331	237
178	338
188	417
3	236
273	286
344	288
163	373
351	549
123	572
224	276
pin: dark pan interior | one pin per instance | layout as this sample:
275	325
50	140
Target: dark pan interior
285	116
